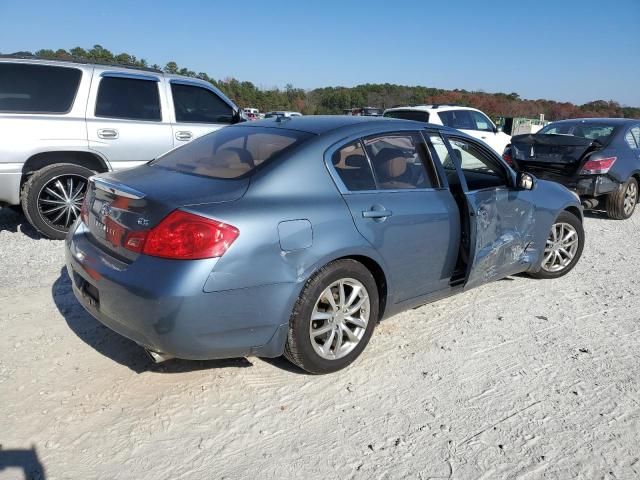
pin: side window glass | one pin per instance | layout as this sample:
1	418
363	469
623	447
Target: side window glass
459	119
440	151
479	169
353	168
128	98
399	161
199	105
481	122
633	137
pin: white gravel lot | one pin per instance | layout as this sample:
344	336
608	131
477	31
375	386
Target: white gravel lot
517	379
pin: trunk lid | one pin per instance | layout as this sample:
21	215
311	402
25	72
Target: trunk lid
552	157
138	199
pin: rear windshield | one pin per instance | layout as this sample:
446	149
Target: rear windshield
37	88
593	131
409	115
231	152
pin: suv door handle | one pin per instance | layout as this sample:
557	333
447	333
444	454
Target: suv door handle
376	213
108	133
184	136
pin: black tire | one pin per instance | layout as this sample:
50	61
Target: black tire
34	189
298	348
571	219
616	200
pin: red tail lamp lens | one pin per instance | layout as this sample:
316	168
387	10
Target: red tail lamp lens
602	165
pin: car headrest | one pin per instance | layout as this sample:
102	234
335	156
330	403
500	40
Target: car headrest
394	167
355	161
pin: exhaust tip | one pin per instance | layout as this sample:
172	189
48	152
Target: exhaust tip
158	357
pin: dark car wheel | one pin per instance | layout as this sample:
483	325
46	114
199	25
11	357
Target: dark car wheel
622	203
52	197
563	248
334	318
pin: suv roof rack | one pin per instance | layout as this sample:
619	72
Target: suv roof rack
83	61
438	105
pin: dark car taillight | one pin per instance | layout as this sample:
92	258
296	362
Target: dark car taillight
506	156
601	165
183	236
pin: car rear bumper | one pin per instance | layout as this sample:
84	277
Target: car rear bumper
596	185
160	304
10	176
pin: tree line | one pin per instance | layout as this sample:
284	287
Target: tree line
334	100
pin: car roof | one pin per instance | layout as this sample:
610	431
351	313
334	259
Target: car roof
613	121
320	124
430	108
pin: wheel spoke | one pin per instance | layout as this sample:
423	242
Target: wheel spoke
358	322
321	316
341	295
353	309
339	339
352	336
326	348
355	291
55	194
322	330
328	296
62	190
55	209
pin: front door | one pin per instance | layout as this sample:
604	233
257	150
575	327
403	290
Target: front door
125	121
501	218
393	193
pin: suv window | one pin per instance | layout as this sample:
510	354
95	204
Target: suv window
459	119
400	161
479	169
353	167
128	98
636	135
231	152
37	88
198	105
481	122
417	115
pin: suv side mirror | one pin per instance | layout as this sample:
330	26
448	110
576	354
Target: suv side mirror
526	181
238	116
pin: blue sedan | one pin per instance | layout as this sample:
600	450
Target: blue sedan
296	236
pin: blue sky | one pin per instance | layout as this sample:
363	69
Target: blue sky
563	50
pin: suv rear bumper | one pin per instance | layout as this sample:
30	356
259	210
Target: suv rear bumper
10	176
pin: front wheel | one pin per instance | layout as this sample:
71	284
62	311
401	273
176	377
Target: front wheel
334	318
622	202
563	248
52	197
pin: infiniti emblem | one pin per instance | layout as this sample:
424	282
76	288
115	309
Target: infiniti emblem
105	210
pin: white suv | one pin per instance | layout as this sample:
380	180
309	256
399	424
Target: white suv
61	122
468	120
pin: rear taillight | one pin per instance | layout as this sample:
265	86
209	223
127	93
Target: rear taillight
84	211
602	165
184	236
506	156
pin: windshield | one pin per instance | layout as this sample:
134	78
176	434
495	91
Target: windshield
593	131
416	115
231	152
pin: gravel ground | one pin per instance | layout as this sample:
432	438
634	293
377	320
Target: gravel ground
516	379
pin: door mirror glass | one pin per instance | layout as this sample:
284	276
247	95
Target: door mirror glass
526	181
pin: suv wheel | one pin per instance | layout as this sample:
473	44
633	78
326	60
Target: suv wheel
622	202
52	197
563	248
334	318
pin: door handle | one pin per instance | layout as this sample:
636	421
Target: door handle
108	133
376	213
184	136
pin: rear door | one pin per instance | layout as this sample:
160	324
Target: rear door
391	188
197	110
127	122
501	218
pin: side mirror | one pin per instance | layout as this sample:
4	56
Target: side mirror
497	129
238	116
526	181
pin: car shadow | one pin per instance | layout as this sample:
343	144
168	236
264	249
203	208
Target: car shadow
13	221
24	459
599	214
115	346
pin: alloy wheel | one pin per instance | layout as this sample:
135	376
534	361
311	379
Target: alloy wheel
60	200
561	248
630	198
339	319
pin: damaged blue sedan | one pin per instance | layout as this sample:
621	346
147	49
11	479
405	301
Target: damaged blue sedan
296	236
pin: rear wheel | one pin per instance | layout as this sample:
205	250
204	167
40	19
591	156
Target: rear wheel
622	203
563	248
334	318
52	197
